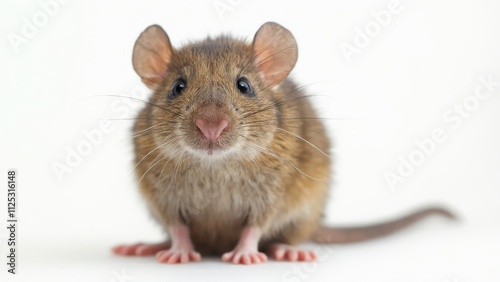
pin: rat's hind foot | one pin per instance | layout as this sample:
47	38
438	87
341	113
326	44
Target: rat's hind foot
284	252
178	255
140	249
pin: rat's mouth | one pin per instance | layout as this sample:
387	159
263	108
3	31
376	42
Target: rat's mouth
213	146
208	146
210	150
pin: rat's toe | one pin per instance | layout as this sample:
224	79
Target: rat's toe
176	255
243	256
289	253
140	249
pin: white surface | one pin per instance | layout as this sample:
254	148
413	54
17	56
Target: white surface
395	90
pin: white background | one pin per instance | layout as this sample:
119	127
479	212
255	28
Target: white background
394	91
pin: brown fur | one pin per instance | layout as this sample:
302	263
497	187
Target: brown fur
217	198
269	177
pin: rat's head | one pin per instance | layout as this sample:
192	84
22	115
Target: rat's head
215	98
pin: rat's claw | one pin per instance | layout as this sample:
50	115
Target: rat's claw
177	255
243	256
290	253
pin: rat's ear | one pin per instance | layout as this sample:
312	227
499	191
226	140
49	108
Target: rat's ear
275	52
152	52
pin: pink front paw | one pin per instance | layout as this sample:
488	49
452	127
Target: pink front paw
244	256
178	255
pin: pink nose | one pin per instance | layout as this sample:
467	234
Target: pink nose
211	130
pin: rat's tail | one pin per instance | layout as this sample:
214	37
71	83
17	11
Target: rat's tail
327	235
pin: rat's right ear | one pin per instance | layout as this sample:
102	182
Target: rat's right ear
152	53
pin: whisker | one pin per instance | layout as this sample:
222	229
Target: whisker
143	132
278	102
176	167
153	165
254	163
274	104
308	142
299	118
292	126
276	155
163	168
322	118
126	119
135	99
163	142
138	133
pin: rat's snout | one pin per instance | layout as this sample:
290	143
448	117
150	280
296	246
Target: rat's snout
211	130
211	122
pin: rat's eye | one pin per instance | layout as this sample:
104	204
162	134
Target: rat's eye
176	91
244	87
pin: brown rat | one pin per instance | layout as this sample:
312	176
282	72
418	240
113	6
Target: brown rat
231	157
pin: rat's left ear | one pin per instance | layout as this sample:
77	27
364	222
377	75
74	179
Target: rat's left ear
275	52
